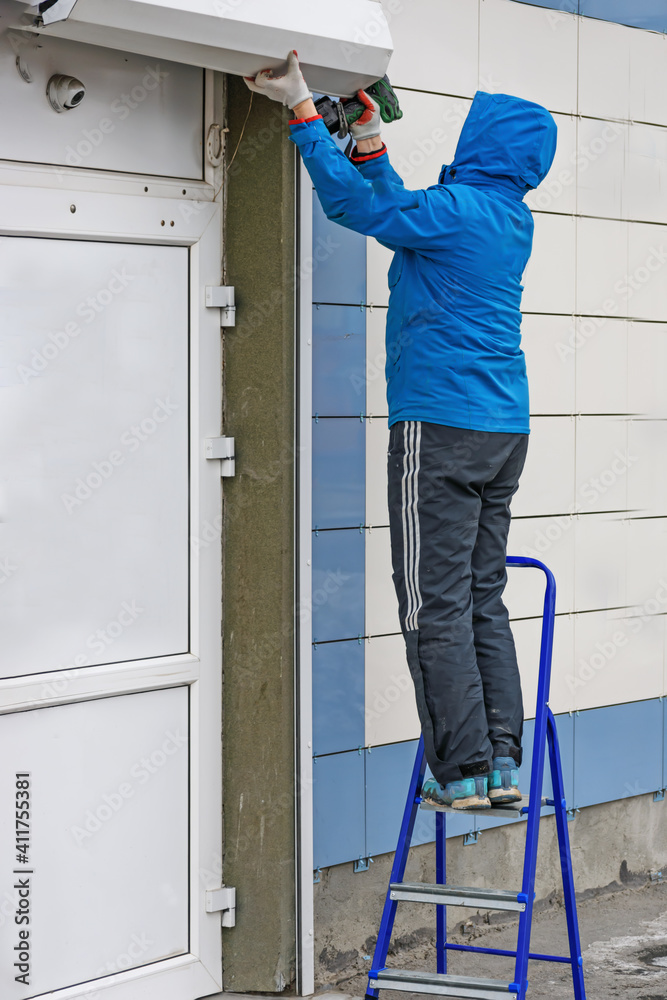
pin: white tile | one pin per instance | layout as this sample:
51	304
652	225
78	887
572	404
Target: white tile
604	68
603	464
425	137
616	659
376	358
527	636
549	345
435	45
547	483
602	267
377	442
381	601
391	710
601	365
601	167
647	369
549	278
647	272
647	475
378	259
525	51
647	82
551	540
645	188
647	562
558	190
600	578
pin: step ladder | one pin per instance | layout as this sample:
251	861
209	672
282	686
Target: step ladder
443	895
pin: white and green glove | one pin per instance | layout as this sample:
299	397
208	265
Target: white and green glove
289	88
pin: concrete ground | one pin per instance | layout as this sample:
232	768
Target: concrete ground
624	941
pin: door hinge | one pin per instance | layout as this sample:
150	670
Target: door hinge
222	297
222	448
223	901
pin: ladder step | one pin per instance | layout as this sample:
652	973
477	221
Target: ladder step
509	810
449	895
463	987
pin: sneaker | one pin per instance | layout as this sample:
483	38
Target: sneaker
467	793
504	781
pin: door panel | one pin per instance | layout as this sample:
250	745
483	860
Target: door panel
94	445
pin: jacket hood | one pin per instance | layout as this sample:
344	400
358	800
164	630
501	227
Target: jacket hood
505	143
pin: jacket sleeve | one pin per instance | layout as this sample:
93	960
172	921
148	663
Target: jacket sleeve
369	198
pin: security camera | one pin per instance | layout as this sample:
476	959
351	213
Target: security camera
65	92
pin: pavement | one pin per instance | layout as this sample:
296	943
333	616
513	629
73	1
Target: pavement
624	943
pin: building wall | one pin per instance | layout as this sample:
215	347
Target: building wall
592	502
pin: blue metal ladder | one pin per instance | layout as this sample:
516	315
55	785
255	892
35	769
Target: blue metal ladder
440	983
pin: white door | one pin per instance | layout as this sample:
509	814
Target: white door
110	755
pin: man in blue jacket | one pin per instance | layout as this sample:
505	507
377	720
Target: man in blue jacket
458	408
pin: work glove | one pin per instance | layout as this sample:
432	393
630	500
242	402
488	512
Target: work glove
367	125
289	88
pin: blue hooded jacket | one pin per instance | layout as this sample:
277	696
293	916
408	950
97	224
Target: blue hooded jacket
460	249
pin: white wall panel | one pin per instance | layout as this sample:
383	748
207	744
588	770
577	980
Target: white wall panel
603	463
527	635
376	358
549	345
139	115
425	137
604	68
645	186
435	45
647	369
647	271
549	278
647	82
381	601
391	710
525	51
616	658
551	540
558	190
647	475
601	365
602	267
547	482
378	259
600	561
377	443
601	160
646	540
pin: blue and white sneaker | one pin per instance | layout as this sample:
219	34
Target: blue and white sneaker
504	781
467	793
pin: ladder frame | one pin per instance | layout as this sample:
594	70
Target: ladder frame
546	736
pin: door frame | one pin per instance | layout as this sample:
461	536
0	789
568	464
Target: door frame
36	201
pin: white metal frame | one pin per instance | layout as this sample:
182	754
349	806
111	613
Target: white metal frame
304	628
36	201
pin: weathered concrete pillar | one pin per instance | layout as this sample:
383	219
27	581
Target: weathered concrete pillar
258	737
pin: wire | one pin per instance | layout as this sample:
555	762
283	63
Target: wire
229	165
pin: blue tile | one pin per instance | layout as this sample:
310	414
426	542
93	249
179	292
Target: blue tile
339	261
651	14
339	361
338	585
618	752
338	696
338	809
339	472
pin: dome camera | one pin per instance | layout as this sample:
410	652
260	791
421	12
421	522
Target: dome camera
65	92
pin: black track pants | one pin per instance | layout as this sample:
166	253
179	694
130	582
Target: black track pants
449	513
